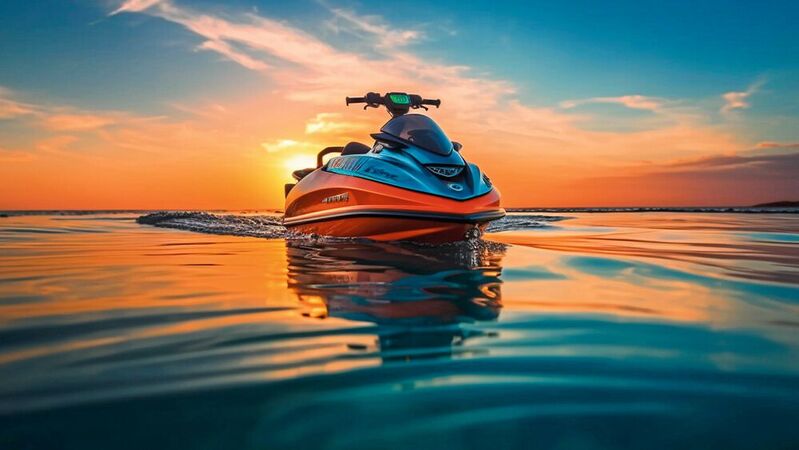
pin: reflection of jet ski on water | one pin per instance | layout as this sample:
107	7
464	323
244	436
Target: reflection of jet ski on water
412	184
419	296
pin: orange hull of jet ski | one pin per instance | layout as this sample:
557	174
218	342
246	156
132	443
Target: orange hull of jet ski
330	204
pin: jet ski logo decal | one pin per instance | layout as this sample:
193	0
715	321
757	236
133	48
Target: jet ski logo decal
376	171
347	164
445	171
337	198
360	167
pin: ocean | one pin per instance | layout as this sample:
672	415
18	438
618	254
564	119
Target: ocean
560	329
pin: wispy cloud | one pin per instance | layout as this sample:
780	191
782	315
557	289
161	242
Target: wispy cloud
56	117
78	122
315	69
348	21
15	156
56	144
134	6
11	108
740	99
772	144
232	54
331	123
630	101
280	145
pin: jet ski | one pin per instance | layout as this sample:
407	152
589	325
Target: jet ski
412	184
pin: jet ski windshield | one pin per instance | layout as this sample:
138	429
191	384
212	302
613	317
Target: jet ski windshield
420	131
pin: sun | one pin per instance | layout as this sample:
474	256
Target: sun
297	162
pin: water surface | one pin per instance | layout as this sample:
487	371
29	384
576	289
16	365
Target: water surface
625	329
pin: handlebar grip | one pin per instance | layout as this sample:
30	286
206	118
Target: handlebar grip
356	100
431	102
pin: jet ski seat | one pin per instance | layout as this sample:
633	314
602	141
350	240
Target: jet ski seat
352	148
302	173
355	148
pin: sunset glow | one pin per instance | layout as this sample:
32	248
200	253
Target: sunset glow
171	104
299	162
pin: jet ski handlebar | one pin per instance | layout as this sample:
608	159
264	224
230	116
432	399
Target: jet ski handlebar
397	103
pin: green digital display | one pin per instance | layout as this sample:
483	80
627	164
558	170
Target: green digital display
399	99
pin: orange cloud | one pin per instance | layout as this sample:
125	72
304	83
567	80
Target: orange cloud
77	122
772	144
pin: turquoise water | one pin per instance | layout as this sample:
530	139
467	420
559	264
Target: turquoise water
613	330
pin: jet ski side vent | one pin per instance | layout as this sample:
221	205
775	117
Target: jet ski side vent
445	171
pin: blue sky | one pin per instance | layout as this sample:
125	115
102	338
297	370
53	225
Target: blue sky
550	50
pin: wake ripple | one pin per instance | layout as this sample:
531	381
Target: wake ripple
271	226
263	226
517	222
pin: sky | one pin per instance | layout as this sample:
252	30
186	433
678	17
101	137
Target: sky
177	104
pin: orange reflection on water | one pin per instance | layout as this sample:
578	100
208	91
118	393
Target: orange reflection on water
77	269
670	266
104	281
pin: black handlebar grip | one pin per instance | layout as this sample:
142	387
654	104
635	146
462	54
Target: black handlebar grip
356	100
431	102
373	98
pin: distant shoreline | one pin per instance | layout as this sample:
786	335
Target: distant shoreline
782	204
